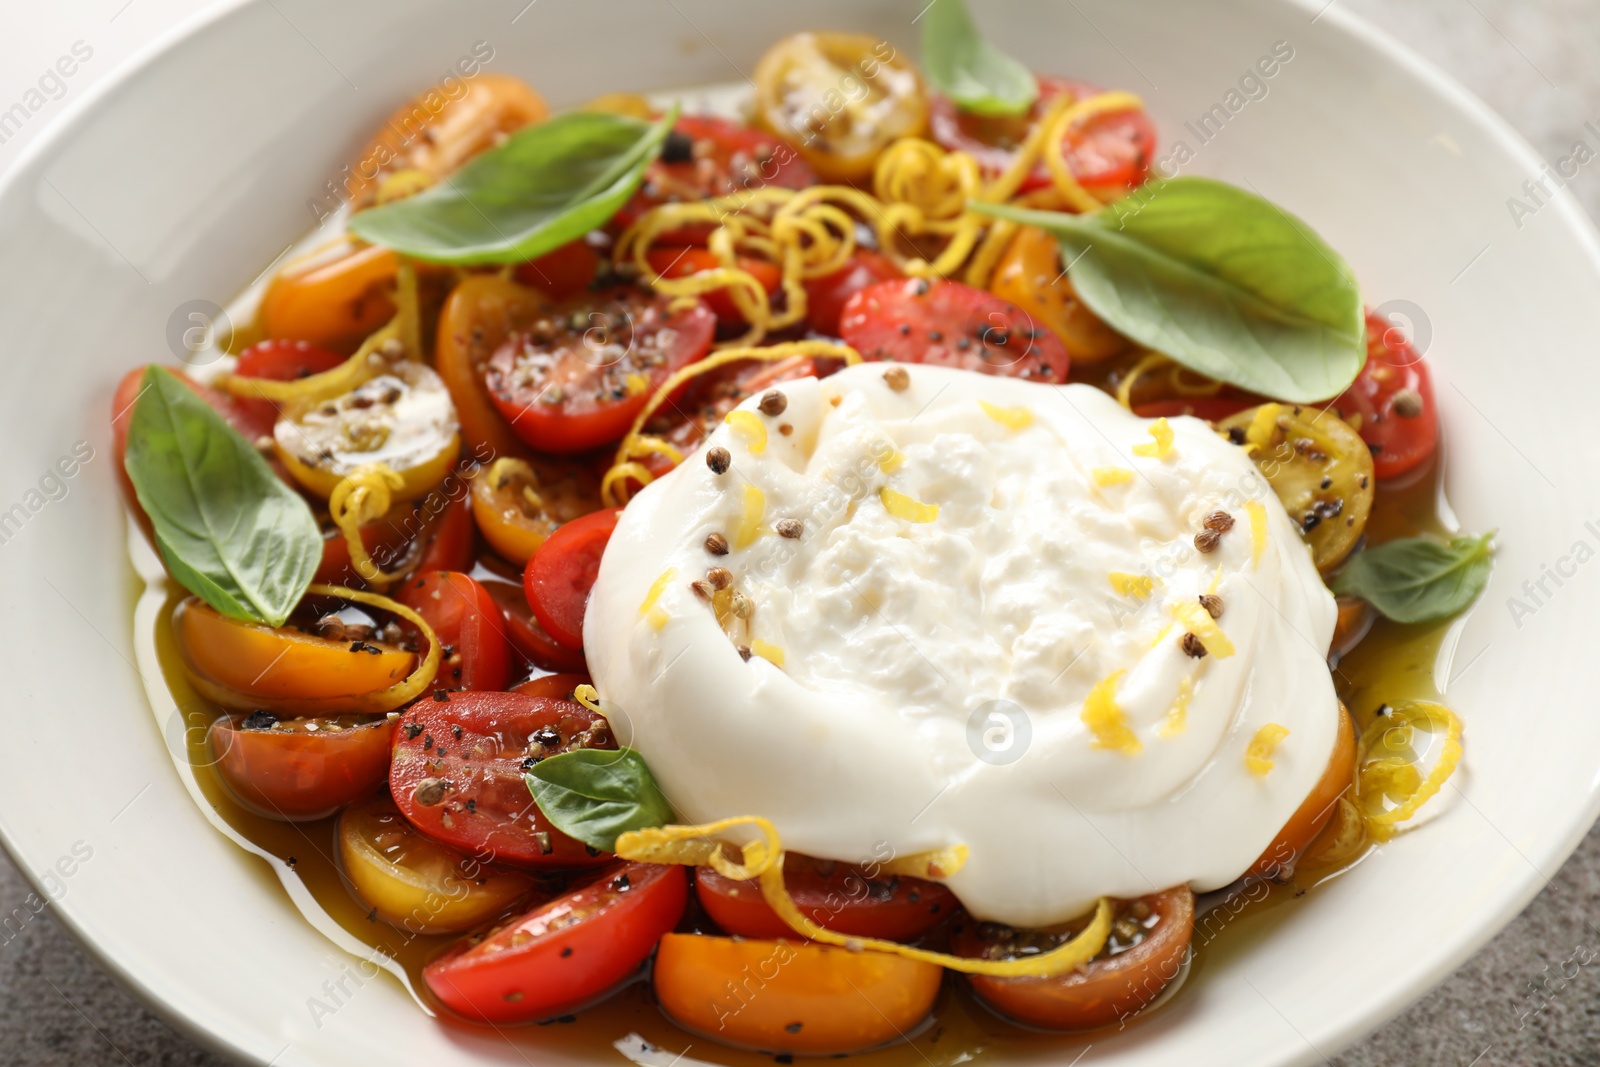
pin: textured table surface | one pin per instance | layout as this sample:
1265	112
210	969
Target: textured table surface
1534	61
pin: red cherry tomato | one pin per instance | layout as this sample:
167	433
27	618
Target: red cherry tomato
562	571
826	296
563	273
672	262
458	770
1109	152
707	157
1393	399
577	376
527	636
691	418
850	900
1210	408
552	685
477	654
301	769
283	360
563	953
430	534
948	324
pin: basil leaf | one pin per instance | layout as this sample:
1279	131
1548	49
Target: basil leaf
1419	579
544	186
595	795
1222	281
229	529
975	74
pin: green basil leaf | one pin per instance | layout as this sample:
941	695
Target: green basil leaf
1222	281
972	72
544	186
595	795
1419	579
231	532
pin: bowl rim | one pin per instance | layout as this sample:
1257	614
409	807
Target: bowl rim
1517	889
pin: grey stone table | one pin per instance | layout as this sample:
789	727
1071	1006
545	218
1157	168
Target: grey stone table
1535	61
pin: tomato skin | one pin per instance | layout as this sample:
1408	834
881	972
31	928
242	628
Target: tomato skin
672	262
559	686
1108	154
294	774
564	953
720	157
467	622
949	324
1103	991
842	898
1394	367
457	773
562	273
283	360
561	573
826	296
526	634
1030	275
752	993
1317	808
576	377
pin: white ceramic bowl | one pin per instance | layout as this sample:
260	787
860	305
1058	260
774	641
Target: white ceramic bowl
183	177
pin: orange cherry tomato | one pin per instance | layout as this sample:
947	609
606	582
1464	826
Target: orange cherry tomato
565	272
435	134
1317	808
850	900
562	953
1030	275
301	769
1150	937
841	98
682	262
517	507
802	998
477	654
334	300
247	665
477	317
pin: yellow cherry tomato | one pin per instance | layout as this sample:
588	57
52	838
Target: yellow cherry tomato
249	665
333	298
518	504
434	133
806	998
402	417
840	98
1031	275
414	882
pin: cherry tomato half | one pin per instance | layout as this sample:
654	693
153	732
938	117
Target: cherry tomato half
1110	153
332	299
1390	404
414	882
285	361
1031	275
672	262
458	773
561	573
552	685
430	534
527	636
477	317
948	324
477	654
841	98
690	419
805	998
301	769
705	157
250	666
579	373
517	506
1149	939
564	953
851	900
826	296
